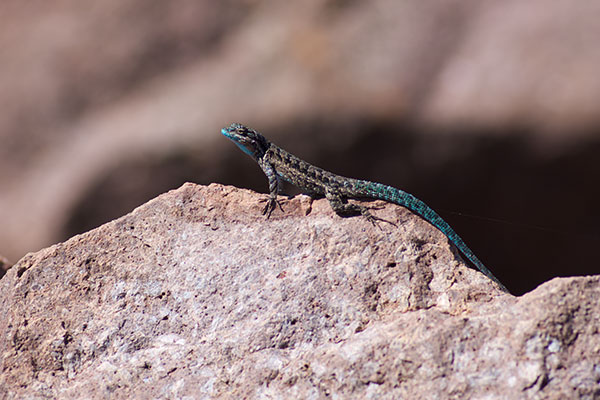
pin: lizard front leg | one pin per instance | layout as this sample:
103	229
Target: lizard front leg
271	174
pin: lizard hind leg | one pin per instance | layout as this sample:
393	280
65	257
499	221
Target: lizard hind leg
365	212
345	209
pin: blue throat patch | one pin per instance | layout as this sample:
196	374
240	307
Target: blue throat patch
231	137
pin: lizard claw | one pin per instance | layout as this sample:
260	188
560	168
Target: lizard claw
271	205
374	219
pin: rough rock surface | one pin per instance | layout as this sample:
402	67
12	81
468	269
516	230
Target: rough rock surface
196	294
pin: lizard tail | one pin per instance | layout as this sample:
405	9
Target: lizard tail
400	197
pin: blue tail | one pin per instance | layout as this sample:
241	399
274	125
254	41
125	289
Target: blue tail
397	196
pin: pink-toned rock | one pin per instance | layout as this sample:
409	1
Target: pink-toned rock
197	294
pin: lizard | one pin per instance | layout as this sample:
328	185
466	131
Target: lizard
277	163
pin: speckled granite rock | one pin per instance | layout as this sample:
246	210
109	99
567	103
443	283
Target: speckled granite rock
196	294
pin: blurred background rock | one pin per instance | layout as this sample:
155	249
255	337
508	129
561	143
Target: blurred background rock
490	109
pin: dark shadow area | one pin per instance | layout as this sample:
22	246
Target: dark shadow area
529	216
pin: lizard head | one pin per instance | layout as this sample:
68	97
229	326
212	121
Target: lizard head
251	142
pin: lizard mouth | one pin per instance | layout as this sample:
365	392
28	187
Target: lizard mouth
230	134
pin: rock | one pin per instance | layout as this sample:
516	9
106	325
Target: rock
197	294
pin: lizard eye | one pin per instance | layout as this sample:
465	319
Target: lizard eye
244	132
